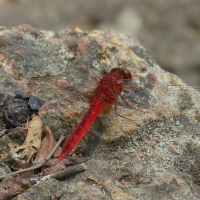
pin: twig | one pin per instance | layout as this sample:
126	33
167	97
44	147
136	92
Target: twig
55	147
61	174
39	164
69	171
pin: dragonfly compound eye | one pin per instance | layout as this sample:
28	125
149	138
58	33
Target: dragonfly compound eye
124	73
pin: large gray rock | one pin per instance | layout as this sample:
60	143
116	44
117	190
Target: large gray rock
154	157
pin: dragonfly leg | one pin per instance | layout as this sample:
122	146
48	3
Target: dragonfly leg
129	104
121	115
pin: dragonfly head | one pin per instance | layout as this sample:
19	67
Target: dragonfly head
124	73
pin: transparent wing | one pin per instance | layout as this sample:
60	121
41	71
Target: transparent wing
143	94
80	75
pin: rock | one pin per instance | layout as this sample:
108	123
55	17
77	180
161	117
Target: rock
154	157
168	29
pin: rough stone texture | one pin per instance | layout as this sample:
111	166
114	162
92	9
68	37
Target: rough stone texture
155	158
169	29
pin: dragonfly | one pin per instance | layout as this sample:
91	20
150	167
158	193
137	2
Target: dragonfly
101	99
112	90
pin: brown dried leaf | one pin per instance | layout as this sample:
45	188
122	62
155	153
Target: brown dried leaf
51	162
67	162
55	168
47	145
23	154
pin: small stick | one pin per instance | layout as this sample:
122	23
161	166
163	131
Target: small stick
69	171
39	164
61	174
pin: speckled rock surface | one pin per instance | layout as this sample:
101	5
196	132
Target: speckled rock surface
157	157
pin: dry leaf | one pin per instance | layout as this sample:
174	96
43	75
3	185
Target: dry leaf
23	154
47	145
55	168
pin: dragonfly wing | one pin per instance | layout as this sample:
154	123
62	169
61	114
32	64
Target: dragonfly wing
80	75
93	137
143	93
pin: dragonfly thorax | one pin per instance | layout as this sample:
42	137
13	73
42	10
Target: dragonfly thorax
108	87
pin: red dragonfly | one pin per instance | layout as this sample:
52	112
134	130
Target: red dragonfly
101	99
106	94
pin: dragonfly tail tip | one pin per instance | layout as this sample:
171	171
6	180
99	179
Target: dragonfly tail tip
61	157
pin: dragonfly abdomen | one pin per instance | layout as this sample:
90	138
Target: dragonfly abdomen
82	127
